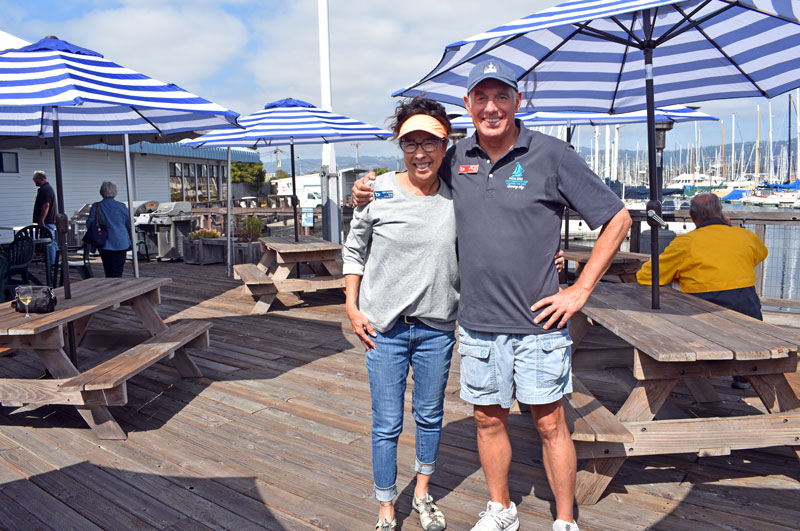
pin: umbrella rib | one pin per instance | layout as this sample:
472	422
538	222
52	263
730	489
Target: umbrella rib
673	32
624	58
585	29
143	117
549	53
727	57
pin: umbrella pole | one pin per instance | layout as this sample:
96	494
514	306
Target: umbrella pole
294	194
62	243
128	187
228	220
653	205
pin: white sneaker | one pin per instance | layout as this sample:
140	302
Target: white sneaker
495	518
561	525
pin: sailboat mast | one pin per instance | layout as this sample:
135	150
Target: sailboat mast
733	147
758	144
722	124
789	144
770	152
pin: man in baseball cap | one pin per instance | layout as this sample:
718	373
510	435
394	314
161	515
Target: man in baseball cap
510	187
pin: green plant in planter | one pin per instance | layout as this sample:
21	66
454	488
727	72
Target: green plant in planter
200	234
251	229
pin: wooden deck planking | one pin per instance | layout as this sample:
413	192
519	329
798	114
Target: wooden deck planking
276	436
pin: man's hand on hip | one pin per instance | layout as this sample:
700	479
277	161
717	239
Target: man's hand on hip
362	192
559	308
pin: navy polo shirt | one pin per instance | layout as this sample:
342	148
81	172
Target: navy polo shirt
508	220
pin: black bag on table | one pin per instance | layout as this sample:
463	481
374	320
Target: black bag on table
97	231
43	301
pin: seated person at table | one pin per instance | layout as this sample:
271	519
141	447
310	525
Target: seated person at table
715	262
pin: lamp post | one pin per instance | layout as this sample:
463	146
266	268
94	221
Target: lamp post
661	141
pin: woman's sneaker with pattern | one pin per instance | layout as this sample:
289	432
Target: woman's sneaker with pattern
385	525
496	518
430	517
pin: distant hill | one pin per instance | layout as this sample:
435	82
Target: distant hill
671	156
313	165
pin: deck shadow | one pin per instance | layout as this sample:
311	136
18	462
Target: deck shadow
88	496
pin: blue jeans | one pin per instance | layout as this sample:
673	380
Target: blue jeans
51	249
428	351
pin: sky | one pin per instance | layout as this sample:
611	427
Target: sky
242	54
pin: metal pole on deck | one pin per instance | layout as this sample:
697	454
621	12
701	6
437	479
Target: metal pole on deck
229	227
128	187
62	222
654	204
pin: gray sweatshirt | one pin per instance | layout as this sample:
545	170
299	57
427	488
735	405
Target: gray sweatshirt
404	247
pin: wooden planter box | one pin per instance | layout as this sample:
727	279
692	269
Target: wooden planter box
246	252
205	251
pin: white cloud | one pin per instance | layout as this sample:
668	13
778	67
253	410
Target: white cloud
181	45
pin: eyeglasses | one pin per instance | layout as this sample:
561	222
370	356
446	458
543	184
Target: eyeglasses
429	145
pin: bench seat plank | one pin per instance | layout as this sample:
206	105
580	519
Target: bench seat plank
250	274
134	360
594	415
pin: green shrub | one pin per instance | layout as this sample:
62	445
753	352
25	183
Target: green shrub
251	229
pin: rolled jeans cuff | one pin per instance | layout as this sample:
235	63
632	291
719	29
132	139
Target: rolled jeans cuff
385	495
424	468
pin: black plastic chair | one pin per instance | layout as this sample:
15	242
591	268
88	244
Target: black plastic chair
20	254
80	263
39	232
4	266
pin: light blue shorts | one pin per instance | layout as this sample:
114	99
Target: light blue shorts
499	368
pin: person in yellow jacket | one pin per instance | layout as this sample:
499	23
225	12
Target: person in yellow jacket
715	262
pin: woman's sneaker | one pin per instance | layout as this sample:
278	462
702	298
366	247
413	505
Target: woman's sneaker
430	517
495	518
385	525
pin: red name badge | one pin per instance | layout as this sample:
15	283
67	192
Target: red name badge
468	168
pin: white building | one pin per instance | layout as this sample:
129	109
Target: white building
161	172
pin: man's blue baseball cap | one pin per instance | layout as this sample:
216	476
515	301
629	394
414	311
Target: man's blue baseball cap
492	69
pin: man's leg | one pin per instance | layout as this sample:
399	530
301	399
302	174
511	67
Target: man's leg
494	449
558	453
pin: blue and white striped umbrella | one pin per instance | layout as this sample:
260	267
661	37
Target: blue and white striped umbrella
54	89
289	121
588	55
670	113
96	99
625	55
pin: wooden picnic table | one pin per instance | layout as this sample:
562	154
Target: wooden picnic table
270	278
623	267
104	384
688	340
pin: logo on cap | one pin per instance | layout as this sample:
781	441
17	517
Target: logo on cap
490	69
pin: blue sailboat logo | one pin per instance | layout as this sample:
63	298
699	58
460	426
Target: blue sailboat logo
515	181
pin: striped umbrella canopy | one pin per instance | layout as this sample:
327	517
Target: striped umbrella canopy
625	55
52	85
291	122
670	113
95	100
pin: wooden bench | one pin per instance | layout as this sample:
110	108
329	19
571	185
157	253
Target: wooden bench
589	420
256	284
168	343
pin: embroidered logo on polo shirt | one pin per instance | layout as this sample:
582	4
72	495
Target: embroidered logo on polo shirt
516	182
